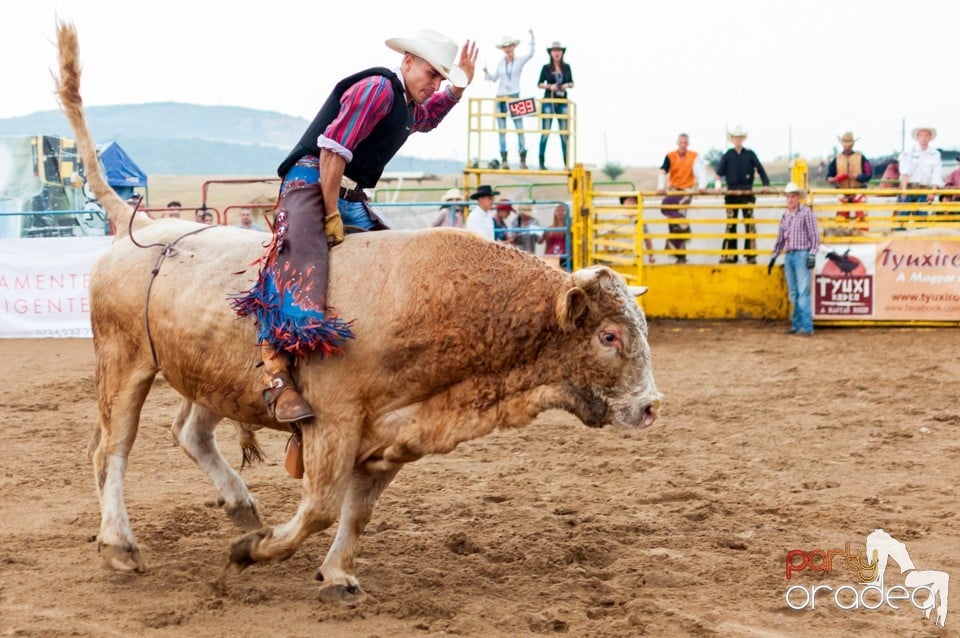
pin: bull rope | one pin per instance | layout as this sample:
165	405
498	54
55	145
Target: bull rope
167	250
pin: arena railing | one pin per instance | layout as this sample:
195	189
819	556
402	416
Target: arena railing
483	134
616	233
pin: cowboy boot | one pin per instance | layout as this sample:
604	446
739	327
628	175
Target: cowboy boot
503	161
543	166
523	160
280	394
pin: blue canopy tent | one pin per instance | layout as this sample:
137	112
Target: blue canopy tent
123	174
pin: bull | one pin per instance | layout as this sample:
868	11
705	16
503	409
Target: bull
455	336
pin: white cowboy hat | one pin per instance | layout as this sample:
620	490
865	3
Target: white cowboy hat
737	132
437	49
556	45
792	188
507	41
848	137
452	195
931	130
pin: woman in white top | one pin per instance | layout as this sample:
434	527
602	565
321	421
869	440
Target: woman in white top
508	75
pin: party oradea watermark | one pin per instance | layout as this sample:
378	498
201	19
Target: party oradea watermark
924	590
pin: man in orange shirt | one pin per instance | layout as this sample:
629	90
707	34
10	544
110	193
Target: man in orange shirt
683	170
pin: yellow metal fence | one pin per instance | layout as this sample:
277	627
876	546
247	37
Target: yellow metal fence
630	237
483	130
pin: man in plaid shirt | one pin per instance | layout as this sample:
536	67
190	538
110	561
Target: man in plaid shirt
799	238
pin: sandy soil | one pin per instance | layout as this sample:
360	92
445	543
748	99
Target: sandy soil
767	443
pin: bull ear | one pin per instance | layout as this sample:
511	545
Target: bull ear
571	308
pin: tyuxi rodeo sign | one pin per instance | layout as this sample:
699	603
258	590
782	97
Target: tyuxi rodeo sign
911	279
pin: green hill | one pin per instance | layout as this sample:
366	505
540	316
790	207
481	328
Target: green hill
171	138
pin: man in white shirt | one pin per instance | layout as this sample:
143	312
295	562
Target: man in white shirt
920	167
480	219
508	77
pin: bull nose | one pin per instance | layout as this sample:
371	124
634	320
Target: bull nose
640	413
650	413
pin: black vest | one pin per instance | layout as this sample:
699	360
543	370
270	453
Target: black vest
372	154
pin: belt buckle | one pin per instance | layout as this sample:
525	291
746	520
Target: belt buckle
347	183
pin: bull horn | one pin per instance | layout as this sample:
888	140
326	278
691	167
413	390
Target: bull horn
637	291
587	277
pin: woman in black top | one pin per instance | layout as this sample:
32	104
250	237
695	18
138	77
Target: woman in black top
556	78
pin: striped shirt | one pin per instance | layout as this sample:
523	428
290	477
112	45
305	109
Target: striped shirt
798	231
367	102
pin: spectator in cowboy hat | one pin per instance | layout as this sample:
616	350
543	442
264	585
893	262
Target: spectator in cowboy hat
366	119
850	169
737	167
556	78
526	241
921	167
508	77
798	237
480	218
452	212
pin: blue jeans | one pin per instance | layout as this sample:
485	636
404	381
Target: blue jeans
355	214
798	285
351	213
549	108
517	124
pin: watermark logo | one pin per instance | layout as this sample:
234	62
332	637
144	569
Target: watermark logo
926	590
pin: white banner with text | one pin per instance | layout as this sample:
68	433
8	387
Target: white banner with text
44	286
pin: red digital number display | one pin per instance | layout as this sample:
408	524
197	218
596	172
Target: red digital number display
519	108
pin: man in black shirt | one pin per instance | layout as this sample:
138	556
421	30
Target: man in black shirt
737	168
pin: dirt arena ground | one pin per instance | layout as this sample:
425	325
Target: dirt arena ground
767	443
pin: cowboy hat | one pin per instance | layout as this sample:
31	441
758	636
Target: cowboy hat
484	191
848	138
556	45
452	195
931	130
506	205
437	49
792	188
507	41
737	132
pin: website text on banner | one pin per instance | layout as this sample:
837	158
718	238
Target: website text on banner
905	279
44	285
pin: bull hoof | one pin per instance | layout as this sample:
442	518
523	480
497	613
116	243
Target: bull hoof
245	516
241	552
122	559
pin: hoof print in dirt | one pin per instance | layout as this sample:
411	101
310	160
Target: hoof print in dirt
343	593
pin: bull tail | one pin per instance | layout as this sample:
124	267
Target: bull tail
68	93
249	446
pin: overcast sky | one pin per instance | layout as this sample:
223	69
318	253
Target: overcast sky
643	72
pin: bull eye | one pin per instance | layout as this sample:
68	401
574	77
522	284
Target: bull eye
610	339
